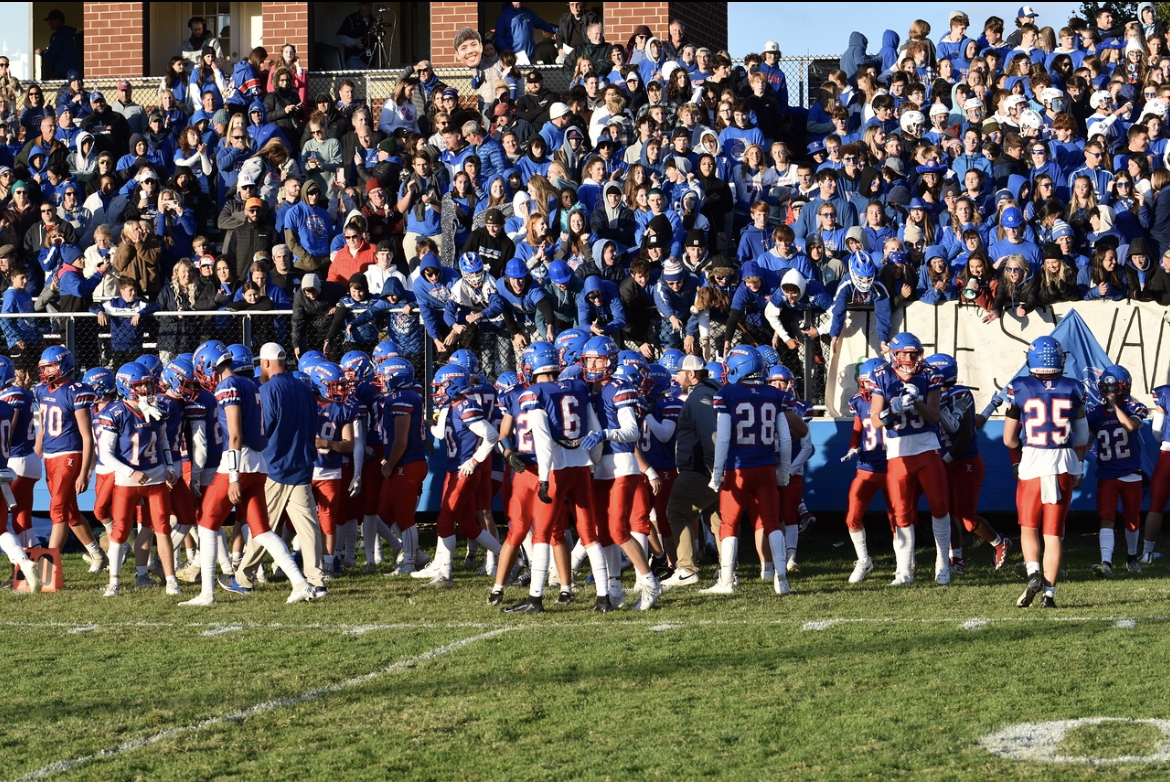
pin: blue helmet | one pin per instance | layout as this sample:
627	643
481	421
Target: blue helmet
539	358
301	376
862	271
745	368
769	355
516	269
449	382
740	350
7	372
631	374
101	380
384	350
179	375
906	352
471	269
658	380
466	359
865	382
781	374
153	364
568	336
1046	357
1115	380
358	366
506	381
56	364
946	366
633	357
717	371
672	360
395	374
243	362
134	381
329	381
602	352
309	358
208	358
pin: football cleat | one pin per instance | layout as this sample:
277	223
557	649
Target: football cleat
317	592
191	574
202	600
469	562
111	590
1021	570
767	571
1104	570
601	605
959	566
229	584
565	597
902	579
792	566
529	605
942	575
1147	558
154	567
861	569
617	595
495	598
1131	564
1001	553
807	520
145	580
441	581
370	567
780	584
31	576
651	591
404	569
174	589
301	594
1048	602
97	562
428	572
260	576
680	578
719	588
1035	585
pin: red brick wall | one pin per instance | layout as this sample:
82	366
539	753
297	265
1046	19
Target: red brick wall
706	24
287	23
114	34
446	19
621	19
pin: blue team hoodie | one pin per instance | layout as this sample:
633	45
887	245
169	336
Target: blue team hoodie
432	297
611	313
290	418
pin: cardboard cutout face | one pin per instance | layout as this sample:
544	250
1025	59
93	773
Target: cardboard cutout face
470	48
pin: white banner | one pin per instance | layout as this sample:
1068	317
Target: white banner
1136	335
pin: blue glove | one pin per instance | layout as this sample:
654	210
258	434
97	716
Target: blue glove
592	440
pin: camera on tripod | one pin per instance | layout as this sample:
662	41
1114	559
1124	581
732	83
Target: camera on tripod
375	38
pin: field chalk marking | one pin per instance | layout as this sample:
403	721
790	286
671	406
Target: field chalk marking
222	630
1125	624
62	766
1038	742
974	624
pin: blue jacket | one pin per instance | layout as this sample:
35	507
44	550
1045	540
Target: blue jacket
404	329
124	335
1090	292
18	329
290	418
432	297
514	29
493	162
264	130
523	306
876	297
610	313
247	85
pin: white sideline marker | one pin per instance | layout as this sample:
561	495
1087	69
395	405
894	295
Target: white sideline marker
1125	624
974	624
222	630
62	766
1040	742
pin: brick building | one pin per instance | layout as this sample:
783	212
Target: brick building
137	39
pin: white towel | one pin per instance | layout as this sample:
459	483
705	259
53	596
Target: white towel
1049	490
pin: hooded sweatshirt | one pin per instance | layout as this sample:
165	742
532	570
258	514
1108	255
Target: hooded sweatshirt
609	313
432	297
308	229
889	51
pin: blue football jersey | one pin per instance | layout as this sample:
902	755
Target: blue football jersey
461	442
203	408
753	411
6	437
1047	408
369	408
407	403
615	395
1162	400
660	454
1118	452
888	385
565	402
873	439
176	418
24	434
509	403
331	419
952	398
139	444
242	392
58	415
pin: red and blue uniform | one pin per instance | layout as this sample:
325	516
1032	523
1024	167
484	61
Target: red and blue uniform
965	471
660	455
244	394
22	456
460	492
617	477
62	445
1119	462
329	474
365	396
518	495
749	483
182	501
400	492
484	395
140	447
1160	482
871	465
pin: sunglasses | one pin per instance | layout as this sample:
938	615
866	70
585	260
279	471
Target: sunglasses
237	138
1014	270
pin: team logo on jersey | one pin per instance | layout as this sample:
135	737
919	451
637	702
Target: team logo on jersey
316	226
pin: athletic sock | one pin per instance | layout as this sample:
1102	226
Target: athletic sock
488	542
209	542
1131	542
575	559
643	543
1033	568
93	548
541	554
998	540
12	548
327	563
1147	547
860	546
791	536
942	540
274	545
445	554
957	553
219	551
172	581
1106	536
409	545
368	538
1049	591
728	552
776	539
598	567
117	554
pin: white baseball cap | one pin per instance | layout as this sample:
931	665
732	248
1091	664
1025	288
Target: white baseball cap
692	364
772	46
271	351
557	110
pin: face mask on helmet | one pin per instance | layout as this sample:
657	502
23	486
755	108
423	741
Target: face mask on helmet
861	282
474	279
907	362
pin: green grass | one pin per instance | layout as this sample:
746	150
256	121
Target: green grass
750	686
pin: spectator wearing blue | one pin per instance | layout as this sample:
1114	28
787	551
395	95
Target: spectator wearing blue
936	279
261	130
358	336
663	222
951	45
309	229
75	96
772	71
785	312
397	308
526	306
562	290
432	290
420	198
855	56
245	85
674	295
126	317
23	335
63	55
493	161
782	256
748	306
1102	279
599	308
756	238
1098	176
1064	237
515	31
826	193
553	131
1012	242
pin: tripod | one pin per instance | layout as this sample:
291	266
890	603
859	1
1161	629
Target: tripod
376	52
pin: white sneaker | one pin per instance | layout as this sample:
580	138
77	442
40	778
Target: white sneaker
780	584
111	590
651	591
860	570
192	573
97	562
720	588
490	571
767	571
404	569
617	595
301	594
259	577
942	576
679	578
902	579
173	589
428	572
440	581
202	600
29	568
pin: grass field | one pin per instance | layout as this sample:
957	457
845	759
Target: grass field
386	680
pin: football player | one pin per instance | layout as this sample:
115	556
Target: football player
335	443
22	457
868	444
405	465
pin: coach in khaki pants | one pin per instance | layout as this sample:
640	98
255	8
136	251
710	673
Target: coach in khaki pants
290	419
694	449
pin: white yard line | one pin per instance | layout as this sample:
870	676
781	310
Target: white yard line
62	766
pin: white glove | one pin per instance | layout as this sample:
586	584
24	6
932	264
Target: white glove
911	391
355	486
851	454
949	420
716	482
149	412
467	468
439	430
782	477
7	475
